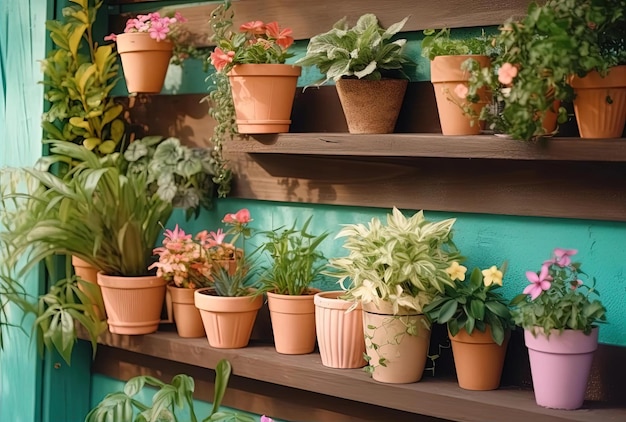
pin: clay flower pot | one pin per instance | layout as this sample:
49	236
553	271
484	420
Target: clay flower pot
186	315
144	61
89	274
293	322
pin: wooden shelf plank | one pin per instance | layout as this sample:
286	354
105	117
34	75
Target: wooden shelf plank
431	396
433	146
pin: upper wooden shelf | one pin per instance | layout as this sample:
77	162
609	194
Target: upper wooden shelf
429	145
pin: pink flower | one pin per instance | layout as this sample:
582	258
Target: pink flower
507	73
266	419
111	37
240	217
176	234
461	91
221	59
283	37
563	256
253	28
539	283
158	30
179	18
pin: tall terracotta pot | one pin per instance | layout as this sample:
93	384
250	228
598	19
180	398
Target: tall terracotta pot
371	106
263	96
560	366
144	61
403	355
186	315
228	321
478	359
597	117
293	322
339	333
89	274
446	74
133	304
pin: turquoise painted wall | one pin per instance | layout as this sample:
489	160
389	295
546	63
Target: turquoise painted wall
22	43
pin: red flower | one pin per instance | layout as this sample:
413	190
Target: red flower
283	37
221	59
253	27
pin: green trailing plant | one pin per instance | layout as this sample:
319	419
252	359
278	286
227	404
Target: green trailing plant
364	51
472	304
440	43
168	402
79	75
557	298
176	173
295	261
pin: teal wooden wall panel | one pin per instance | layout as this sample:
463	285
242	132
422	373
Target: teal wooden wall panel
22	42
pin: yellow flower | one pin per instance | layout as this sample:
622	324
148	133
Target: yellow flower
456	271
492	276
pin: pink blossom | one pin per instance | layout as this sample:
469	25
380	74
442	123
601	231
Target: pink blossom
283	37
253	28
111	37
221	59
507	73
158	30
461	91
538	283
266	419
563	256
240	217
179	18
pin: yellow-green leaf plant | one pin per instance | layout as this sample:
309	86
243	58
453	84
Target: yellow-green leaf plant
79	75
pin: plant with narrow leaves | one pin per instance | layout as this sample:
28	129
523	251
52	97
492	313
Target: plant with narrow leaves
440	43
364	51
472	304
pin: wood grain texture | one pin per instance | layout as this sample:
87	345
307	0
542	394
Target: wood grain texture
435	397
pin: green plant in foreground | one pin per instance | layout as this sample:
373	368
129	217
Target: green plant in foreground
441	44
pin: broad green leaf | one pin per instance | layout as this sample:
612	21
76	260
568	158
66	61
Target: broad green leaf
107	147
447	311
91	143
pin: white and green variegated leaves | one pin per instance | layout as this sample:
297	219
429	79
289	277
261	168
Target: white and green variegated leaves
403	262
365	51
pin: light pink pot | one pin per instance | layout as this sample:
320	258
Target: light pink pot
339	333
186	315
293	322
560	366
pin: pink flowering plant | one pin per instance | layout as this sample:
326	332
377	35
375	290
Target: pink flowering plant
558	298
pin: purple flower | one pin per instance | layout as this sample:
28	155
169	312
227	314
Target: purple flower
538	283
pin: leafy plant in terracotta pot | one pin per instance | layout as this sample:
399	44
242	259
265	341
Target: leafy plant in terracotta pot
479	323
394	270
254	58
559	314
367	65
447	56
295	262
147	45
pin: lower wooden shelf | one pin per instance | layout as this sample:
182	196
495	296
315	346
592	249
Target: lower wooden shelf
433	397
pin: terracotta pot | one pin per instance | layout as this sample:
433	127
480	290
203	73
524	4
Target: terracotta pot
89	274
133	304
446	74
186	315
339	333
263	96
371	106
293	322
228	321
549	122
404	355
560	366
595	116
478	359
144	61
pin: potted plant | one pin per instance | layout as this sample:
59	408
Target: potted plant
394	271
367	67
559	315
450	80
146	47
262	85
229	307
479	323
295	263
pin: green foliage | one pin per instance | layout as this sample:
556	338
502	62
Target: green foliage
120	406
472	305
440	44
295	260
365	51
237	283
403	262
79	76
174	172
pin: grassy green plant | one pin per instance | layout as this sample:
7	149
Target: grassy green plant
440	43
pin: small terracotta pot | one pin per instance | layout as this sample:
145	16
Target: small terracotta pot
371	106
446	74
133	304
339	333
404	354
88	273
596	117
293	322
144	61
186	315
263	96
228	321
478	359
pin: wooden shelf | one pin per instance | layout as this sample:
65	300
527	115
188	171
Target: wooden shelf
435	397
429	145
